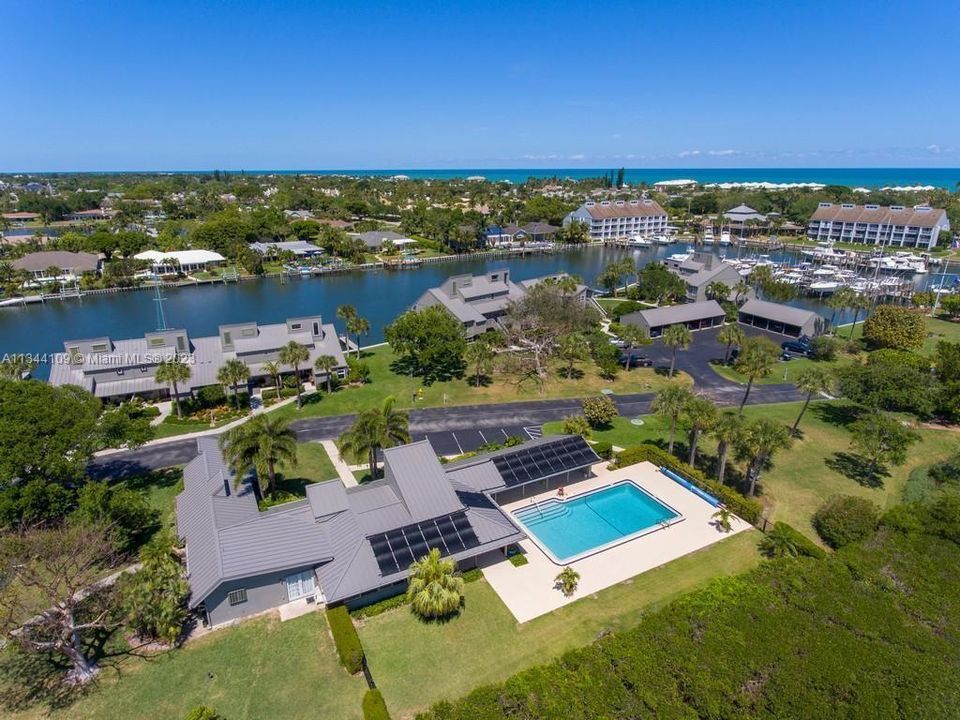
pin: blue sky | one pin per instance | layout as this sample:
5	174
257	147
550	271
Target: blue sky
267	85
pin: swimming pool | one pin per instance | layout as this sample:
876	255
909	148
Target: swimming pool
569	529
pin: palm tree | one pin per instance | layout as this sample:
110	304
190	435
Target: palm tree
173	372
726	431
232	373
346	312
758	355
274	370
260	444
840	300
326	364
760	440
17	367
634	337
358	326
567	581
723	517
294	354
373	430
718	291
812	381
741	290
670	403
761	276
729	336
779	543
860	302
699	414
480	355
676	337
434	589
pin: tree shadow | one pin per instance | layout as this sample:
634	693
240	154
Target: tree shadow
857	469
483	380
662	370
568	374
836	414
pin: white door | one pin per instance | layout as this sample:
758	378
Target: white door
301	585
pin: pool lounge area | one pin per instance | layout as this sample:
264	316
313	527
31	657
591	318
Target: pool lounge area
654	519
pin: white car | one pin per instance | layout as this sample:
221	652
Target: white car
618	342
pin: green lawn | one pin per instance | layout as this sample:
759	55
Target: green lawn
384	382
313	464
161	488
783	371
260	669
417	664
937	329
802	477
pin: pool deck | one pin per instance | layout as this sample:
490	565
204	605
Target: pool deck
528	591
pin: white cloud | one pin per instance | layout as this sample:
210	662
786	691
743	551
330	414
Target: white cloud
934	148
721	153
688	153
577	156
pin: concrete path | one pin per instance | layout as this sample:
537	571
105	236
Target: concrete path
343	470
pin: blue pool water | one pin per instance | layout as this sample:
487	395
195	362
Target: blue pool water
574	527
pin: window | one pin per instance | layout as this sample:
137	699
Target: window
99	348
181	343
248	332
316	328
237	597
119	371
156	342
227	339
296	326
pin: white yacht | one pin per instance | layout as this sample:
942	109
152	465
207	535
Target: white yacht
708	237
662	240
640	241
724	237
825	251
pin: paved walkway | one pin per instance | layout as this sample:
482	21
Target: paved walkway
343	470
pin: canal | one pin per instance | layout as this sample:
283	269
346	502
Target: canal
379	295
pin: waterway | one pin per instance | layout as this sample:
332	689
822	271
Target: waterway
379	295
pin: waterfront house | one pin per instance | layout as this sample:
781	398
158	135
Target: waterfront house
374	239
353	545
93	215
477	301
699	271
300	248
58	265
695	316
895	226
510	235
620	219
121	369
742	217
17	219
180	261
782	319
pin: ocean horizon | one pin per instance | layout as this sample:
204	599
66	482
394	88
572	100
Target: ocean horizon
947	178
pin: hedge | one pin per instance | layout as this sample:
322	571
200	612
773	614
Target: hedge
270	393
740	505
346	639
395	601
374	707
603	448
803	544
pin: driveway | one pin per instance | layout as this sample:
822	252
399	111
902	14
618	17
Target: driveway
528	414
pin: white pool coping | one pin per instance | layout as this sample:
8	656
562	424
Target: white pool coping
528	591
569	497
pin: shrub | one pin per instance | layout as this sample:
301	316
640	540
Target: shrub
575	425
895	326
271	393
625	308
599	411
203	712
744	507
374	707
604	449
346	639
518	560
786	541
471	575
210	396
824	348
377	608
38	502
154	599
126	512
845	519
359	372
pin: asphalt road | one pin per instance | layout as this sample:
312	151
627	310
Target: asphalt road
695	361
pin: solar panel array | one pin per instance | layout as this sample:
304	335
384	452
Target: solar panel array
395	550
540	461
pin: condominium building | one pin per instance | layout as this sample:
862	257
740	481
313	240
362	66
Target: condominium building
614	219
121	369
896	225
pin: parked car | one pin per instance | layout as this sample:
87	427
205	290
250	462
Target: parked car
637	358
803	345
617	342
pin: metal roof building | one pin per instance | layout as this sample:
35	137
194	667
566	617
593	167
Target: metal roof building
782	319
695	316
351	545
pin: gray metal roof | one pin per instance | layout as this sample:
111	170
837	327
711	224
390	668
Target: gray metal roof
376	238
418	477
673	314
327	498
778	313
297	247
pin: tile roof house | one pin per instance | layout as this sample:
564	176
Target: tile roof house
896	225
351	545
125	368
70	265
